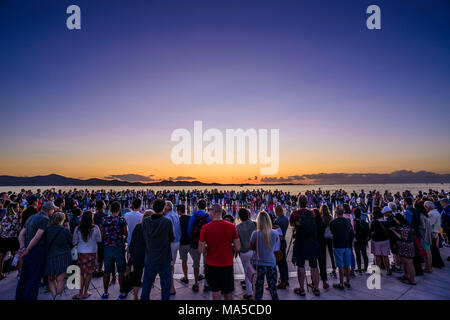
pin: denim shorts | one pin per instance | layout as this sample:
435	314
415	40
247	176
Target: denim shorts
343	257
114	255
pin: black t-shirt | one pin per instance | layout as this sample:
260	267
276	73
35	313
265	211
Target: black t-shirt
378	232
341	230
184	222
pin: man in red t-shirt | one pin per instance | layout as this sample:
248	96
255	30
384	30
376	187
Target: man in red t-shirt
218	239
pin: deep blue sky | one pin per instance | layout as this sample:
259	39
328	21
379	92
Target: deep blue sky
139	69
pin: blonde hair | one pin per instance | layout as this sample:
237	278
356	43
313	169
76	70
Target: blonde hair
147	214
58	218
264	224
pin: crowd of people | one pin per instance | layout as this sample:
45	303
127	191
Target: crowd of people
133	236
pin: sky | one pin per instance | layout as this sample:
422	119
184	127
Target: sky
103	101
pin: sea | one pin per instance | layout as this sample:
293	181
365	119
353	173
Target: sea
414	188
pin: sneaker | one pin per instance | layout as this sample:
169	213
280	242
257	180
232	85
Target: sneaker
105	296
122	296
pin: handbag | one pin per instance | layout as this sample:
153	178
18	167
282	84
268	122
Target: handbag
420	251
278	255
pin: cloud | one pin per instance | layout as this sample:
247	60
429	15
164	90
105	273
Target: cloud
181	178
132	177
288	179
400	176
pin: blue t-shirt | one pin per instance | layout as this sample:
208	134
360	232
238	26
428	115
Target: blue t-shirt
264	255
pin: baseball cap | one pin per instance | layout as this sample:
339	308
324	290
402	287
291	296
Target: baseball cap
386	209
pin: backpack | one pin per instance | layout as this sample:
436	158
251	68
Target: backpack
306	226
199	222
362	230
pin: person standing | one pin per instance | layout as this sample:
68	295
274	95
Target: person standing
33	252
59	257
9	231
218	239
175	245
263	241
158	236
435	222
98	220
380	246
85	237
137	254
133	218
283	222
362	233
114	233
245	230
342	230
306	246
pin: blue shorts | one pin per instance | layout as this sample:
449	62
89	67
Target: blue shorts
343	257
114	255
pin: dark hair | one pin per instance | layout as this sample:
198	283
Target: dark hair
86	225
302	201
99	205
201	204
158	205
376	212
408	201
181	208
346	208
137	203
401	219
357	212
419	205
58	202
76	212
115	207
244	214
229	218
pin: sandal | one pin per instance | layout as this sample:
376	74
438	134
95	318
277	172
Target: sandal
338	286
248	297
325	286
300	292
347	285
76	297
195	288
316	292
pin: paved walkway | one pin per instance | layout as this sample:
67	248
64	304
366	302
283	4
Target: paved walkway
435	286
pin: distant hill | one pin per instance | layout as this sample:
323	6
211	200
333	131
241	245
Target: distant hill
58	180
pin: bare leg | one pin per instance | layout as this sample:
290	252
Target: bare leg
347	274
315	278
217	295
196	274
341	276
106	278
228	296
60	283
428	265
52	285
301	277
184	266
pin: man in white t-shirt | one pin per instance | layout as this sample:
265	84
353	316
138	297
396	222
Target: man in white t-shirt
133	218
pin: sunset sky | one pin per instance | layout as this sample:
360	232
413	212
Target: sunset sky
103	101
